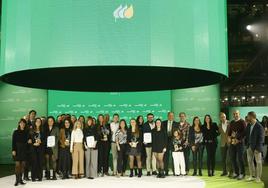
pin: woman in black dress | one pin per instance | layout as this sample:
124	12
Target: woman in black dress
104	133
19	145
134	139
37	150
140	122
210	133
159	145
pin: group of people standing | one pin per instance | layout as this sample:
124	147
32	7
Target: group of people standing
81	147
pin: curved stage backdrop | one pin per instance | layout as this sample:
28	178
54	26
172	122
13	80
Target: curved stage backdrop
15	102
113	45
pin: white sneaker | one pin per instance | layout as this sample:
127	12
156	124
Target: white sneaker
250	178
258	180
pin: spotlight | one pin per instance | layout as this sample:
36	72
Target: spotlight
253	97
249	27
243	98
257	35
262	97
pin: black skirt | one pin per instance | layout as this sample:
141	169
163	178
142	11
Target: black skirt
21	152
134	152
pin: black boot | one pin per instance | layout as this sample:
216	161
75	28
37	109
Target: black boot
48	174
131	173
54	175
20	179
162	174
195	173
26	175
17	180
140	173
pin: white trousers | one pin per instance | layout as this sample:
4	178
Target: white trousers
179	163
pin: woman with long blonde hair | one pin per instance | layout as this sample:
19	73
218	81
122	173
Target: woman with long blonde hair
77	150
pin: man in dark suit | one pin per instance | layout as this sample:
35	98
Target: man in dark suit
169	126
254	142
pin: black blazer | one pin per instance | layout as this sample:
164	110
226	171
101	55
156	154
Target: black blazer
175	126
256	138
210	135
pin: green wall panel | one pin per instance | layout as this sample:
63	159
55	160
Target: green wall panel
127	104
15	102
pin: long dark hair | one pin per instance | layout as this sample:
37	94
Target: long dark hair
137	120
199	124
137	130
123	120
46	124
22	120
70	122
98	122
210	120
41	126
89	118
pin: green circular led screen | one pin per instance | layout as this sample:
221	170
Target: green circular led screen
108	45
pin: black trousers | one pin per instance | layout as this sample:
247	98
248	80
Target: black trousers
65	160
198	158
103	156
211	155
167	157
186	153
122	158
37	162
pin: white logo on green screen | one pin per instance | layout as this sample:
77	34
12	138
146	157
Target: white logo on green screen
123	12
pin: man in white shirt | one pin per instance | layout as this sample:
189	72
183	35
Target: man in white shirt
114	127
223	129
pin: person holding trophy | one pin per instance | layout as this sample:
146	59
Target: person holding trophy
177	153
37	150
104	132
134	139
236	134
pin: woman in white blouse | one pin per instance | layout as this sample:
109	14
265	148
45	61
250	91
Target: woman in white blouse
77	150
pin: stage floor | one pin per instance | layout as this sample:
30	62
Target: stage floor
147	182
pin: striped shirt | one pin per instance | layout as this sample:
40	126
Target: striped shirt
121	136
